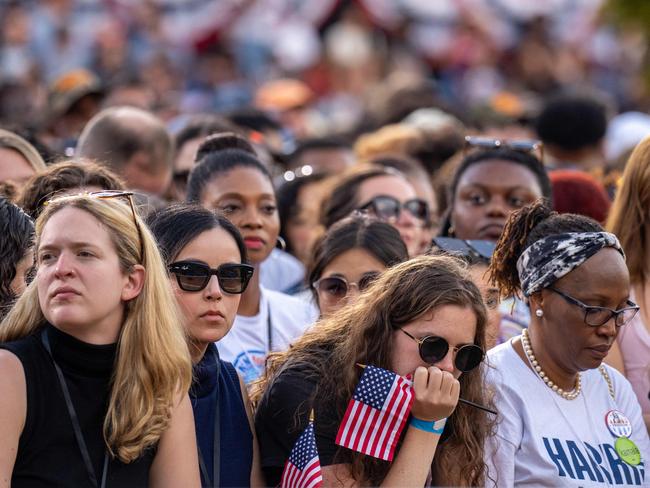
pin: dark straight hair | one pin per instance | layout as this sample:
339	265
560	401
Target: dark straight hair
358	231
215	163
176	226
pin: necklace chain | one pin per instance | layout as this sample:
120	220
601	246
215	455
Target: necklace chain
567	395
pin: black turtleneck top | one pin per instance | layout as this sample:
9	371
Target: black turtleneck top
48	453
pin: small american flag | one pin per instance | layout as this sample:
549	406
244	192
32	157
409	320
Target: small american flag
376	413
303	466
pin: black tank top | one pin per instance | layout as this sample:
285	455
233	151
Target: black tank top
48	453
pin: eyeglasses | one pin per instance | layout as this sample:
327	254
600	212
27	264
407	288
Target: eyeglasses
338	287
471	248
106	194
193	276
521	145
597	316
433	349
389	208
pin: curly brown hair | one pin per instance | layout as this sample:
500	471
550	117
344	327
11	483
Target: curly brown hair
363	333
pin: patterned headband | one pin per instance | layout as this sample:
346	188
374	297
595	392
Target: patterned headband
549	259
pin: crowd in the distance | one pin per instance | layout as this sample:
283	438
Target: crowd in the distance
204	279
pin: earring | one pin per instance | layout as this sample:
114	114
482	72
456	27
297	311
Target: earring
282	244
451	231
539	312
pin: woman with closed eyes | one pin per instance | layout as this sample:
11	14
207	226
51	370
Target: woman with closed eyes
206	259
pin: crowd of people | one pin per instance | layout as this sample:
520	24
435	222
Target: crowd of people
198	273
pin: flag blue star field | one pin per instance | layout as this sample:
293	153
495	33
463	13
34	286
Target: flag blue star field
376	414
302	469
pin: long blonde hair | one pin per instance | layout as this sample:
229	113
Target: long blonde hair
363	332
153	365
629	216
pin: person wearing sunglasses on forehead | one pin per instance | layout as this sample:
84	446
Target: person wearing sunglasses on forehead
385	193
205	256
94	367
566	418
350	257
423	317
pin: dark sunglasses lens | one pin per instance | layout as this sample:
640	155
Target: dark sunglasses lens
367	280
192	277
336	287
233	279
386	208
418	208
433	349
468	357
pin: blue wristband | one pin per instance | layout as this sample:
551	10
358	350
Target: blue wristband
435	427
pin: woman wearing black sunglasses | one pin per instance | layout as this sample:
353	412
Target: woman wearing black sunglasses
350	257
423	317
205	257
565	417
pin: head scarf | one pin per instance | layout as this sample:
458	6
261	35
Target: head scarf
549	259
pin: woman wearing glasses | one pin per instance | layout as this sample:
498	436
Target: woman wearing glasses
236	184
424	317
94	368
384	193
205	255
565	417
350	257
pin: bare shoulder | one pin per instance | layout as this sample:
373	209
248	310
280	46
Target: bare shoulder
13	395
11	369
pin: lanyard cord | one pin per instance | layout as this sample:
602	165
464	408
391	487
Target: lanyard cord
269	328
75	420
216	443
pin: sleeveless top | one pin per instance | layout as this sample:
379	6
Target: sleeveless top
216	384
48	453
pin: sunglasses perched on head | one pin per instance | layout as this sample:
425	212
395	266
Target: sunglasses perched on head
434	349
389	208
473	249
194	276
338	287
521	145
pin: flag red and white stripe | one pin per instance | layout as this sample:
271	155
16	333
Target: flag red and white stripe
376	414
302	469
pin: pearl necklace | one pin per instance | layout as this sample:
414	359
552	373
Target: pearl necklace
528	350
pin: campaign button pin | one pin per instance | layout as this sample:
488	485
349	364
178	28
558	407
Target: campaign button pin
627	451
618	424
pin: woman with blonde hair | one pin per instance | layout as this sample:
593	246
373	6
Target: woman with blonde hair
94	367
629	219
424	317
19	160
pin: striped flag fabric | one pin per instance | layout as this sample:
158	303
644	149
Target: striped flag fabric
376	414
302	469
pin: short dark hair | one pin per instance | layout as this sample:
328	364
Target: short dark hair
313	143
287	195
174	227
202	125
116	134
65	175
219	162
253	119
380	239
17	231
572	121
524	227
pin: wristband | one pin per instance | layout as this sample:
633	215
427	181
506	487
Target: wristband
435	427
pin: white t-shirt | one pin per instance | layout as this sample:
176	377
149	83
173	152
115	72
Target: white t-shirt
544	440
247	343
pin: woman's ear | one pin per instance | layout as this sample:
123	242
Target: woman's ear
134	283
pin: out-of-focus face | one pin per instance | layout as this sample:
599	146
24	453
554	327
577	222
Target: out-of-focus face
342	278
304	227
14	167
410	227
603	280
327	160
208	313
487	193
457	325
183	164
246	197
81	286
23	268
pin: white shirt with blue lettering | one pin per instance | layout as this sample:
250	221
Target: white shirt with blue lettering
544	440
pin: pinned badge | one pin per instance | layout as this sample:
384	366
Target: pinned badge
618	424
627	451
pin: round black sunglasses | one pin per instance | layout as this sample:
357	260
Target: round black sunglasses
433	349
